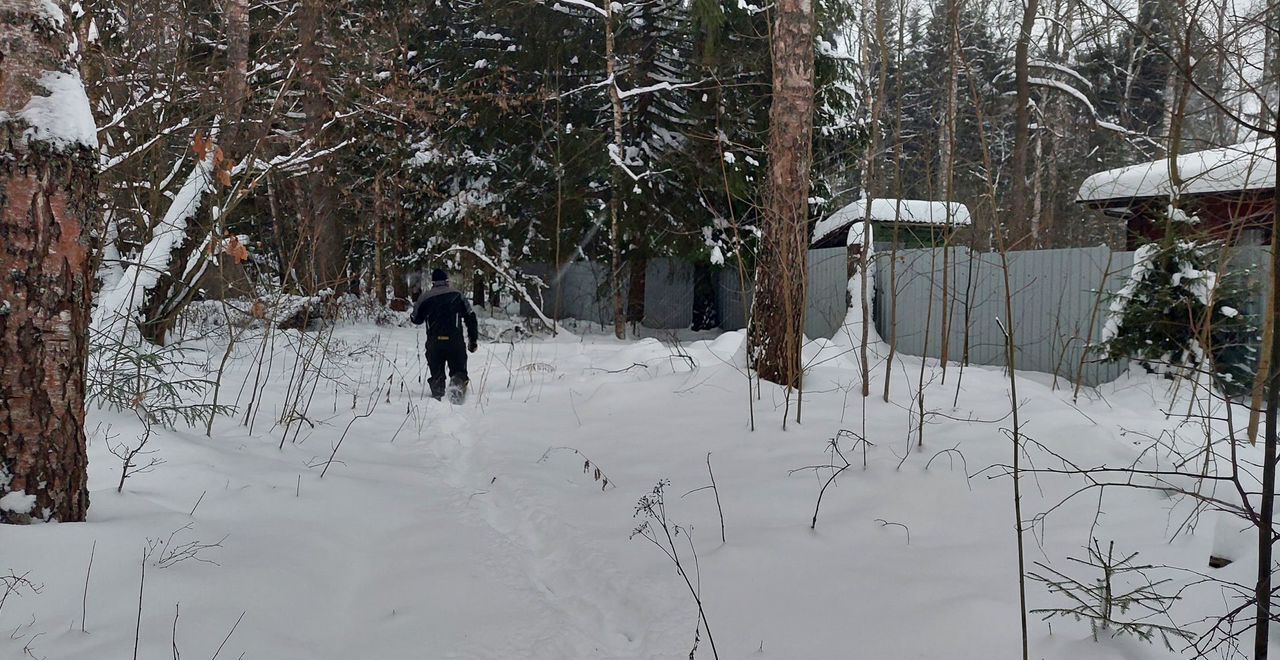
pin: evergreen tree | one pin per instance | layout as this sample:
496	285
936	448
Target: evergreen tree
512	153
919	87
1181	314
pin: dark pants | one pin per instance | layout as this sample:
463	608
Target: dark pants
451	352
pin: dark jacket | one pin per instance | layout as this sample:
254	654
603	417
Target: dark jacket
445	310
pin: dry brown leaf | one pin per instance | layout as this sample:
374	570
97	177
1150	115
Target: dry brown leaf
237	250
200	145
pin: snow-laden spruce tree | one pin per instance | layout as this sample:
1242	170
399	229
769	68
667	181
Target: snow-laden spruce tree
1180	316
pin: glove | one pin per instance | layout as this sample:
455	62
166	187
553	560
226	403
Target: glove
472	346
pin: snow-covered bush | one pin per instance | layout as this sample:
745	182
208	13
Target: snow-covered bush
1177	316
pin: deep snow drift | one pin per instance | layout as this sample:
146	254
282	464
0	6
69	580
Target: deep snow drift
475	532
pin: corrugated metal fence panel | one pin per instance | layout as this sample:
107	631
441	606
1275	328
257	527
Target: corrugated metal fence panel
905	298
1057	311
1116	275
581	291
1254	264
587	292
1059	299
668	294
828	298
541	295
734	303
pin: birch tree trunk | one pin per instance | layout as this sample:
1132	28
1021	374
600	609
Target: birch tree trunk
871	184
777	316
47	207
948	173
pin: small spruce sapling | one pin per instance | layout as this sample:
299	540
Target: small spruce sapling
151	380
1121	587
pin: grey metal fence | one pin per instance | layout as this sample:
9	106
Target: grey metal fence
928	302
580	290
732	301
828	300
1060	301
951	302
668	294
1253	263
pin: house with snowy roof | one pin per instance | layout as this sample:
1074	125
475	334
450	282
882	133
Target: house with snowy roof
918	223
1230	189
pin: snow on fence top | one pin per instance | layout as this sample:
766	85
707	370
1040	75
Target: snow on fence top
1239	167
911	211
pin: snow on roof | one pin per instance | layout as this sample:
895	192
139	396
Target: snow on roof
1245	166
914	211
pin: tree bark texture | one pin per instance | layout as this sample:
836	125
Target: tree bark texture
777	316
615	189
235	82
326	261
1019	208
47	197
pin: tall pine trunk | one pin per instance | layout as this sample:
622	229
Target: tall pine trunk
235	81
47	197
777	316
615	188
318	219
1019	207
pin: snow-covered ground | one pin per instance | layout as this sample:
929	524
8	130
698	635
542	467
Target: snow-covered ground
474	532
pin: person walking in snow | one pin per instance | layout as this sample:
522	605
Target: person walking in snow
445	310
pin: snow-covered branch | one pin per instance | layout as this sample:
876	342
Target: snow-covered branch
578	90
585	5
108	162
524	292
1067	71
1084	100
615	156
662	86
1066	89
118	305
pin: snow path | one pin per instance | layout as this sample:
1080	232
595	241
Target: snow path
419	543
598	612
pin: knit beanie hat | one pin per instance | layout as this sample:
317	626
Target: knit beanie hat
439	275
